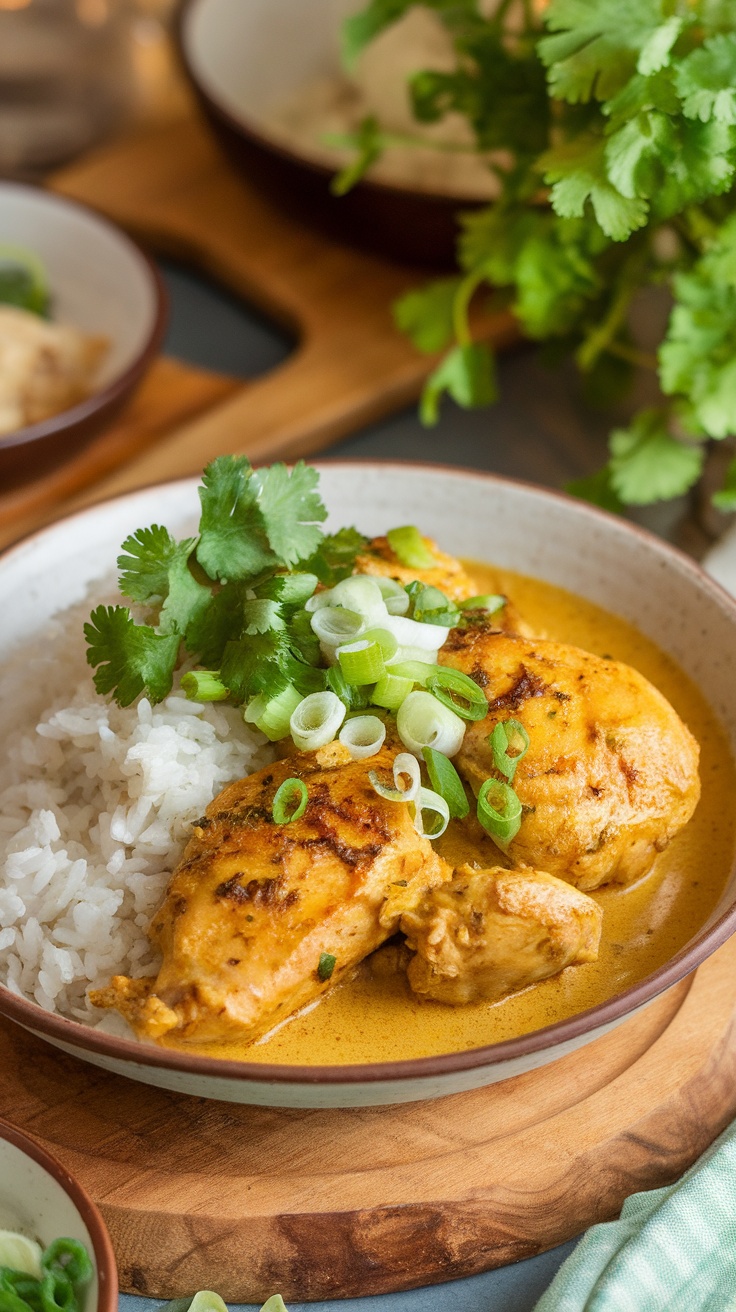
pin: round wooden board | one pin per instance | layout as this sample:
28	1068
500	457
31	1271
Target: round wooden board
328	1204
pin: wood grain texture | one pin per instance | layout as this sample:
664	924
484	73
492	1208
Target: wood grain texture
319	1204
172	189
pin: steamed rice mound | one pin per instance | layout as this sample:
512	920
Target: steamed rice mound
95	808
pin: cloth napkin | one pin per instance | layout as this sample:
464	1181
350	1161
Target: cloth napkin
672	1249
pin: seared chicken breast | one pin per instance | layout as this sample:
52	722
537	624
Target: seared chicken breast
611	773
488	933
261	918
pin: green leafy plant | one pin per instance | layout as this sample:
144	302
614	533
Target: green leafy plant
611	127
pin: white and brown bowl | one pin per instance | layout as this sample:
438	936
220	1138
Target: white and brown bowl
514	525
41	1200
101	283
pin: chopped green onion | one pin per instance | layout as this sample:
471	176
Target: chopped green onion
459	692
362	594
390	691
405	766
499	811
363	736
70	1258
430	606
427	800
326	965
409	547
396	597
206	1301
272	715
417	671
334	626
490	601
386	641
290	801
318	600
410	633
316	720
509	742
23	281
361	662
446	781
423	721
204	686
355	698
20	1253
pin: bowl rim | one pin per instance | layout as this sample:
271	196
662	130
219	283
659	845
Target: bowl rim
557	1035
248	128
107	1272
118	386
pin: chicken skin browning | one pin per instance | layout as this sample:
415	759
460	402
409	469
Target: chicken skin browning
254	905
488	933
611	773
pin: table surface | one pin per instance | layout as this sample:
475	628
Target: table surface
540	430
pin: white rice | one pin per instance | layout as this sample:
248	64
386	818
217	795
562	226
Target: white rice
95	808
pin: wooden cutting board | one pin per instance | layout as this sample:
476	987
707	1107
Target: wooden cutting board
328	1204
175	192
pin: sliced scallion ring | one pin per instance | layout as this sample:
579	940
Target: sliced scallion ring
499	811
362	594
446	781
335	625
409	547
363	735
423	721
204	686
272	715
318	601
290	801
509	743
429	801
459	693
355	698
361	662
395	597
316	720
417	671
386	641
410	633
391	691
405	766
490	601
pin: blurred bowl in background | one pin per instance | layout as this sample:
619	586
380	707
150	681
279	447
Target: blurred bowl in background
101	283
247	58
41	1200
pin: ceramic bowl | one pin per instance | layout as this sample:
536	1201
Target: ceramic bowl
539	533
243	59
101	283
39	1198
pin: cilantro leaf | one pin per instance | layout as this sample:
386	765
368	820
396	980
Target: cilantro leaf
597	43
467	374
555	279
597	488
360	29
260	615
291	509
368	142
698	355
155	568
335	558
209	631
578	171
425	315
254	664
648	464
288	589
129	657
232	533
726	498
706	80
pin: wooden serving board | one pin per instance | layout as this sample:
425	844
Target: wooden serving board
173	190
328	1204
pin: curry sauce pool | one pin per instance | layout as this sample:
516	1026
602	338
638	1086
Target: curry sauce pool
374	1017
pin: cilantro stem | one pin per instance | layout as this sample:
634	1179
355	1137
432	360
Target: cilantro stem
461	305
632	355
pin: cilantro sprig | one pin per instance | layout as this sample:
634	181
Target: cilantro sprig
617	123
232	596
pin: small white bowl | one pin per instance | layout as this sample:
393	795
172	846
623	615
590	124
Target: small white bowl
40	1199
101	283
516	526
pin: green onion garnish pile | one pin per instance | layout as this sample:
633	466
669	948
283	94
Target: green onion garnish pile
273	618
59	1283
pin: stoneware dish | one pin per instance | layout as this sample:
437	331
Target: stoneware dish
39	1198
101	283
539	533
244	57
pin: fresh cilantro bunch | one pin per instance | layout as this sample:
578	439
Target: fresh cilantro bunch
611	126
232	596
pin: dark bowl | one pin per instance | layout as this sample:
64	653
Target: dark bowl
241	56
101	283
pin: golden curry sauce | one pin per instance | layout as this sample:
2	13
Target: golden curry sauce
375	1017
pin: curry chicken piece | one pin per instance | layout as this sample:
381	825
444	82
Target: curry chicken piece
488	933
611	773
253	904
